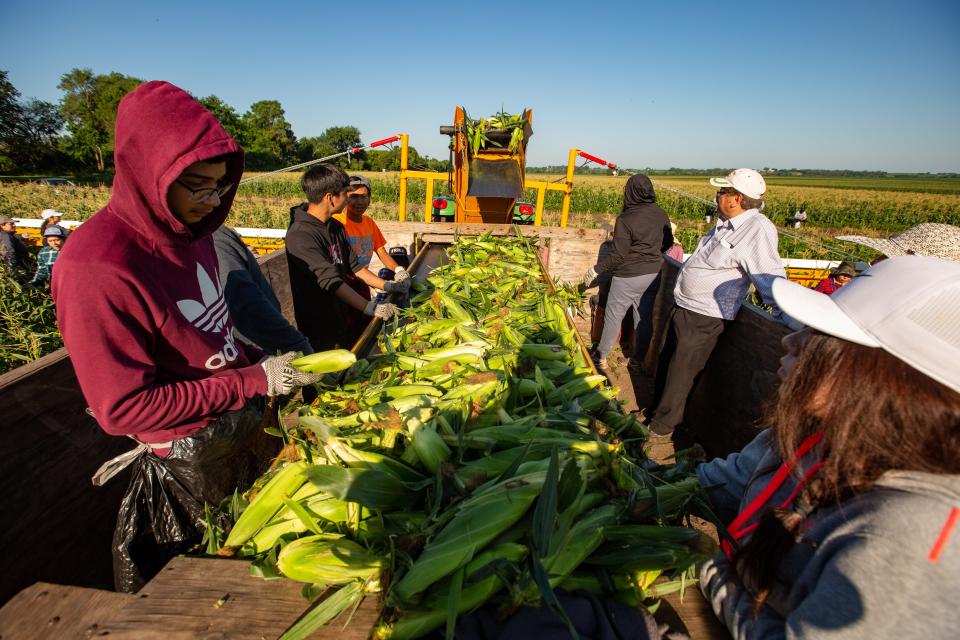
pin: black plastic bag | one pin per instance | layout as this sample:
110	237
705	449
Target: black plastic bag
162	513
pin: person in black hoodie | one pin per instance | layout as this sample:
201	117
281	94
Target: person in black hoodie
327	280
641	235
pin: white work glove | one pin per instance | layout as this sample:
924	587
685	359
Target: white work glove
589	277
383	310
400	275
397	286
282	377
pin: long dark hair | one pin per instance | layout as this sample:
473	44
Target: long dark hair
877	414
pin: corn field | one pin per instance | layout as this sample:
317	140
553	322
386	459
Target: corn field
842	207
28	324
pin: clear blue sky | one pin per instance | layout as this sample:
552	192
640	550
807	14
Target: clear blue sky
839	84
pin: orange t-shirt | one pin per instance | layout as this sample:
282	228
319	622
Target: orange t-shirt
364	236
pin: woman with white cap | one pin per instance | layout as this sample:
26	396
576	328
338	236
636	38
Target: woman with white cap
51	216
843	514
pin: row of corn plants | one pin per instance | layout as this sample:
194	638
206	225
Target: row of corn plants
28	324
475	458
829	208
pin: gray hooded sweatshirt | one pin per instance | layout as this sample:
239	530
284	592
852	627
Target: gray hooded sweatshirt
884	564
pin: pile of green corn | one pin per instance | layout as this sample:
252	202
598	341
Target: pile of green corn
502	121
477	457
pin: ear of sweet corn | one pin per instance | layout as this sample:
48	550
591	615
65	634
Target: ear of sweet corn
581	540
409	389
267	503
343	599
429	445
328	560
360	459
267	537
325	361
575	388
544	351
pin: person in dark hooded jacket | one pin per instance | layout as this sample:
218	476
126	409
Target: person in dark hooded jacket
640	236
149	333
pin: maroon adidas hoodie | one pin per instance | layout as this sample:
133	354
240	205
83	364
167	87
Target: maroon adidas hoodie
138	297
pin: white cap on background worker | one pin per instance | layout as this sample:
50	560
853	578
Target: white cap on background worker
747	181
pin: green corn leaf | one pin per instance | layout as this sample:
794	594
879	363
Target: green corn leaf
545	513
311	592
453	600
266	567
321	614
571	485
298	509
368	487
212	535
546	592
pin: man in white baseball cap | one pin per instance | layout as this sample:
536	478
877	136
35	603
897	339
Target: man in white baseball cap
713	282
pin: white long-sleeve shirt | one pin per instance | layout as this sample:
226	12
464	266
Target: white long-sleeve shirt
714	280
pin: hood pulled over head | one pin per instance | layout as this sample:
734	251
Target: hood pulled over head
638	190
161	130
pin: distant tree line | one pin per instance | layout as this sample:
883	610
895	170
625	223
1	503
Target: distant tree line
720	171
78	133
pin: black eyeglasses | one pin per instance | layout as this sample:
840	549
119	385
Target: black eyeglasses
204	193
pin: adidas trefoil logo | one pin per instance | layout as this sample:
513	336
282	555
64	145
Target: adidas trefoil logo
210	314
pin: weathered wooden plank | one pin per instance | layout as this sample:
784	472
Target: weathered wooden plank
59	523
692	615
45	610
182	602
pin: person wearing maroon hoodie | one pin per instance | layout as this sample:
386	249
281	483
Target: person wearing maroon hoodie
142	313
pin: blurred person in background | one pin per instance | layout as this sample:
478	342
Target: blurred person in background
847	495
598	301
676	249
53	239
844	273
50	216
14	256
799	217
